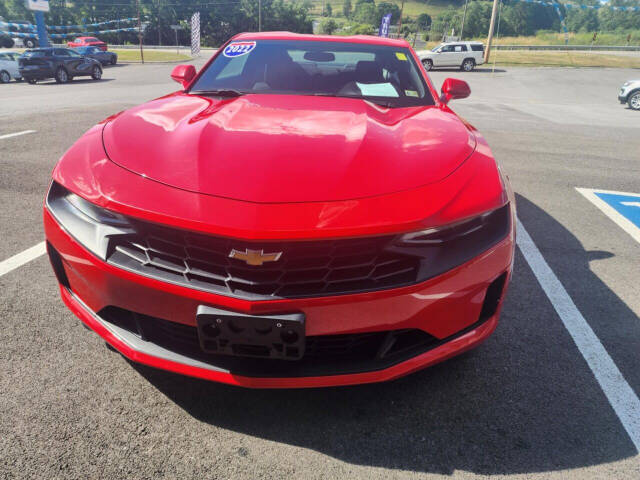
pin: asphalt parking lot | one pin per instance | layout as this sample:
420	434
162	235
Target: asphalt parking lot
552	394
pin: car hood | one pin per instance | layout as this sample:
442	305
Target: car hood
284	148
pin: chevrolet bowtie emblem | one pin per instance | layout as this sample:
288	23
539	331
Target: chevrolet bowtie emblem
255	257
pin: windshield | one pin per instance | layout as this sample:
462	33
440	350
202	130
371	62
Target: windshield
437	47
383	74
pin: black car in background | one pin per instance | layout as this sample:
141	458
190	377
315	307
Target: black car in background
60	63
6	41
105	58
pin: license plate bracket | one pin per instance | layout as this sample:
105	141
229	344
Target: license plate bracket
263	336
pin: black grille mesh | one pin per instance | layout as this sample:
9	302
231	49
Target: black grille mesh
305	268
324	354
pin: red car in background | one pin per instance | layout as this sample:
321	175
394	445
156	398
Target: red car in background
88	42
307	211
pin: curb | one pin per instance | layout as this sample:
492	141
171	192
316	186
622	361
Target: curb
157	62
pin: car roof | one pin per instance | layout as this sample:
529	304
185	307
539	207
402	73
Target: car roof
462	41
368	39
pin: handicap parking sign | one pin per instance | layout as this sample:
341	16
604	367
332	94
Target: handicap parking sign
621	207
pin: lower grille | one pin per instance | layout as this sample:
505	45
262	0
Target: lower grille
304	268
324	354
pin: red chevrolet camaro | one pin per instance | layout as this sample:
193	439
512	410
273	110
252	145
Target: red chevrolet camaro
306	212
87	42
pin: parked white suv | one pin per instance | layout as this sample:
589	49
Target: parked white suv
465	55
630	94
9	67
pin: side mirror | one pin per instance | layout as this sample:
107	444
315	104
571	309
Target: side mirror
183	74
454	88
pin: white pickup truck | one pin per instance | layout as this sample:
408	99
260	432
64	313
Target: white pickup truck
464	55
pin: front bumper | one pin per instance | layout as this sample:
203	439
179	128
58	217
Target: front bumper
623	94
448	307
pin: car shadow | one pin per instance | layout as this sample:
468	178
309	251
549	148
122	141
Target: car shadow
475	70
523	402
75	80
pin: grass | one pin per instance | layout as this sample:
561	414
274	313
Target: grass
150	56
432	7
412	8
563	59
553	38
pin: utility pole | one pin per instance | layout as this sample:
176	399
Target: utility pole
494	13
259	15
400	19
140	31
464	16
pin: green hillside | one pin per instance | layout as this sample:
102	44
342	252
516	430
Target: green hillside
412	8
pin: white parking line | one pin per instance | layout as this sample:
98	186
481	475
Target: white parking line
21	258
620	395
9	135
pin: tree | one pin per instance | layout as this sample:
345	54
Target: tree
424	21
218	20
444	22
276	15
346	8
329	26
476	23
362	29
384	8
582	20
365	13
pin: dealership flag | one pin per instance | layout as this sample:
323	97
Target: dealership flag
195	34
383	31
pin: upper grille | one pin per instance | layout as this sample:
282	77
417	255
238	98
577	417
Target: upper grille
305	268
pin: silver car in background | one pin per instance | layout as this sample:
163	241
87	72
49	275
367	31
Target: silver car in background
630	94
9	67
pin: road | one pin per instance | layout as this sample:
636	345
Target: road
529	403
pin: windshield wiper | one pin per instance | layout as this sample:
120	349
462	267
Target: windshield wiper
382	103
226	92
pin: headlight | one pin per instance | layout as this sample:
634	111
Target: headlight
443	248
90	225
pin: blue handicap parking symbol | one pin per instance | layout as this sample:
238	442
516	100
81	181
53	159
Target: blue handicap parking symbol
627	205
